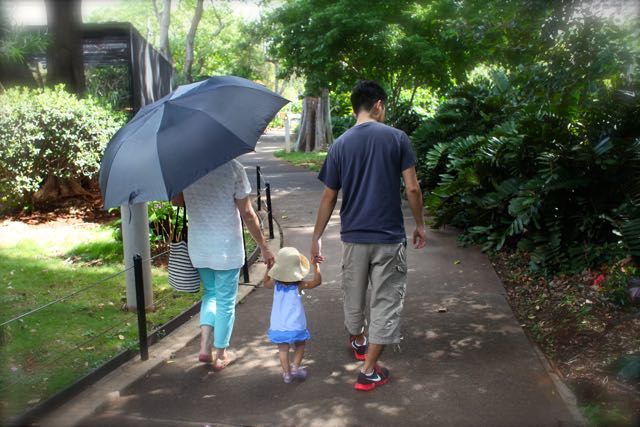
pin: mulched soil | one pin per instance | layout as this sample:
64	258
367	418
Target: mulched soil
68	211
582	333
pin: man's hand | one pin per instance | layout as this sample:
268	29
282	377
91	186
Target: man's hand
267	256
327	204
316	251
419	238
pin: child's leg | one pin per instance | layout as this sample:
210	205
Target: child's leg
284	357
298	372
298	353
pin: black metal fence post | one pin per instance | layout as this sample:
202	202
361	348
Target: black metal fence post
267	187
258	188
245	267
140	307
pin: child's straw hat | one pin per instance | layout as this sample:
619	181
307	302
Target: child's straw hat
290	266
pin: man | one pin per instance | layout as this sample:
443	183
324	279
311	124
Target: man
366	163
215	204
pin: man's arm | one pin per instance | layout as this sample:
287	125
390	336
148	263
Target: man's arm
327	204
253	225
414	196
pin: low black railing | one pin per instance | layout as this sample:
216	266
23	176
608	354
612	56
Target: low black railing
144	339
267	188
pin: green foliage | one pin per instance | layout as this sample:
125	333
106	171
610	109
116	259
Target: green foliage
533	157
405	116
162	219
601	415
16	43
340	124
224	43
616	284
335	43
109	84
49	132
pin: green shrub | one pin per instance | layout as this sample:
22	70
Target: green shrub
162	219
404	117
539	160
49	132
616	284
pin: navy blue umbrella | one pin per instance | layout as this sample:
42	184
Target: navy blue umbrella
178	139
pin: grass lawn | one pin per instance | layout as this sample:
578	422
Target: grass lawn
312	161
47	351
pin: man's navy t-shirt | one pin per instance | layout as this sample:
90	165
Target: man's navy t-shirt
366	163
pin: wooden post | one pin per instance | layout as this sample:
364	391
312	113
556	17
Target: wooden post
287	135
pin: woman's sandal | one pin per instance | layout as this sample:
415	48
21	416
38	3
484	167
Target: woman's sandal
220	364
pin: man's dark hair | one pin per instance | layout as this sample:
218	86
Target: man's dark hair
365	94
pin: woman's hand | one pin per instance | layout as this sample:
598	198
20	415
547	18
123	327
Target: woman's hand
267	256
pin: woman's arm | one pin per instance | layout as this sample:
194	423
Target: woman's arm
253	225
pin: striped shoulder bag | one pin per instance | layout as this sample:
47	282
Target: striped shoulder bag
183	276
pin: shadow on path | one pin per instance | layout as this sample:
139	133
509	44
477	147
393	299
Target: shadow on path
469	366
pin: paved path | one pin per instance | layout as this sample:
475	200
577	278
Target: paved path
469	366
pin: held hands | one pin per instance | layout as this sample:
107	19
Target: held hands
419	237
267	256
316	252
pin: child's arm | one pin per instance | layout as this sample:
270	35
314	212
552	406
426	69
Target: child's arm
267	281
316	281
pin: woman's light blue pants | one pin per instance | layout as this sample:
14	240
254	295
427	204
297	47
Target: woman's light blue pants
218	308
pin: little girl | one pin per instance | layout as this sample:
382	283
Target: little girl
288	322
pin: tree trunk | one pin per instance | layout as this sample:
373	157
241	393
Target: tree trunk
315	125
307	132
164	20
64	55
191	35
55	189
324	135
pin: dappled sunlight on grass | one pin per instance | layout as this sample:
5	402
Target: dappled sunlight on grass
310	160
50	349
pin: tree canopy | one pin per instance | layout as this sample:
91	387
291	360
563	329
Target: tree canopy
223	43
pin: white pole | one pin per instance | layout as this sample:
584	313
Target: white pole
135	239
287	135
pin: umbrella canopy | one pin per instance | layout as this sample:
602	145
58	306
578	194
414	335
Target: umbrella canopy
178	139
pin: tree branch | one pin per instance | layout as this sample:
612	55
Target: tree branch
155	9
220	23
191	35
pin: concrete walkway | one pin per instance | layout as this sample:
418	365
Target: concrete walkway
469	366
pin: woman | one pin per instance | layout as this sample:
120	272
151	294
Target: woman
215	203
